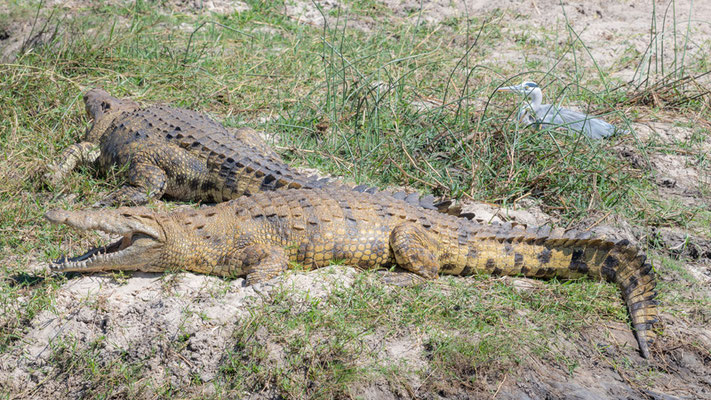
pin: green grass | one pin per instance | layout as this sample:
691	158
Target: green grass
102	379
400	105
344	98
462	334
684	296
470	331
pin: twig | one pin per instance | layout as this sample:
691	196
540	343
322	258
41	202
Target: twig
499	386
535	7
410	176
414	164
182	357
598	221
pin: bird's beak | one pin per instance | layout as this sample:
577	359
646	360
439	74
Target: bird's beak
515	89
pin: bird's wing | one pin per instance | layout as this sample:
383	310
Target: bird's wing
591	127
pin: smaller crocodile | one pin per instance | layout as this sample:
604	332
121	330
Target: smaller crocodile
259	236
182	154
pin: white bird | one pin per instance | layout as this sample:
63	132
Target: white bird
554	116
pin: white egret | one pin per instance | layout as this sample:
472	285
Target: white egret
551	115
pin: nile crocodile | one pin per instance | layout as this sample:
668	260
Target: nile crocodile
258	236
182	154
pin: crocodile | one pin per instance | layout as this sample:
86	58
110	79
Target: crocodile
258	236
182	154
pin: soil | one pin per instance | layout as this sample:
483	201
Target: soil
141	318
17	36
607	28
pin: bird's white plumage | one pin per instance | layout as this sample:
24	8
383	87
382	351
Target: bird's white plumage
535	113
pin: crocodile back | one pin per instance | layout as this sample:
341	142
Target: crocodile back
203	160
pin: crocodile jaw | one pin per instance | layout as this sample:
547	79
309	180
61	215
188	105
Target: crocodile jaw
139	249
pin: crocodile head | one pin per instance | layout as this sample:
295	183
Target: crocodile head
99	103
103	109
141	247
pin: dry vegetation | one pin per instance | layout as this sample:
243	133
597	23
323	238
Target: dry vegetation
391	92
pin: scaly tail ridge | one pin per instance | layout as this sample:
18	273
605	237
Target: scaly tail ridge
542	252
635	277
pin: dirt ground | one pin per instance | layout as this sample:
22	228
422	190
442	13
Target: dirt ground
144	312
141	319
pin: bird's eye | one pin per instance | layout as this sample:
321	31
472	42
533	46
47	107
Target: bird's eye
531	85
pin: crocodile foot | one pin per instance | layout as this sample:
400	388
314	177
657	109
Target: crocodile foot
401	277
127	195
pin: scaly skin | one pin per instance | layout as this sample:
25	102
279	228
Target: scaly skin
175	152
258	236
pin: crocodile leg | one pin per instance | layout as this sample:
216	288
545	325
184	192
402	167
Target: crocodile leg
155	170
259	262
146	180
76	154
416	252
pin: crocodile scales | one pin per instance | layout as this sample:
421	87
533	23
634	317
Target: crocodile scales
182	154
258	236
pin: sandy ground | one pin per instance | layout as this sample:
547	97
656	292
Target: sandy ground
141	319
144	316
608	29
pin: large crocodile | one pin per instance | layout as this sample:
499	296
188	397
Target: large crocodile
182	154
258	236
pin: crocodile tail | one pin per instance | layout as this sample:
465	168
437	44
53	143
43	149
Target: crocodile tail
628	267
542	252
